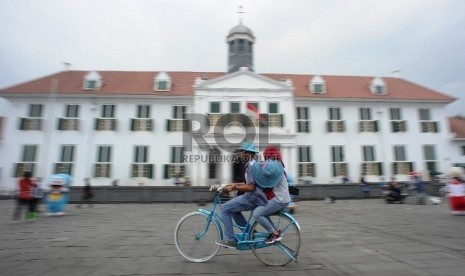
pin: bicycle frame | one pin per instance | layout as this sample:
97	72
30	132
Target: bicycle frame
244	243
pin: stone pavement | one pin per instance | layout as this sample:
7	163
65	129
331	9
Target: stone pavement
349	237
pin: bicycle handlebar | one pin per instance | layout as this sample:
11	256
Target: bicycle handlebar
217	187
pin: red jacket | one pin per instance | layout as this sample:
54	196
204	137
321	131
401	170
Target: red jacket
25	188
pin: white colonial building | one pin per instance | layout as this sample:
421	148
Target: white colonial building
145	128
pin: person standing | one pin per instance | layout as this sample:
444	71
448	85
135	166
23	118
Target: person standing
87	194
26	198
365	187
455	191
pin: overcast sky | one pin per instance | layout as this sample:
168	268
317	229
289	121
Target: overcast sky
424	39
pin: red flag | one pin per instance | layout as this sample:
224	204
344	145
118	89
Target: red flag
252	111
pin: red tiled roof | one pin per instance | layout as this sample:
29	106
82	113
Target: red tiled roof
141	83
359	87
457	126
114	83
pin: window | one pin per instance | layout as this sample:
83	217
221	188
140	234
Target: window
241	46
306	166
334	113
176	168
368	153
366	123
142	122
395	114
140	166
426	124
424	114
273	108
92	81
369	165
429	153
335	124
35	110
463	150
70	121
273	118
66	160
378	86
28	160
401	165
303	124
397	124
34	119
177	154
103	165
178	121
399	153
107	119
317	85
143	111
339	167
162	85
179	112
140	154
235	107
72	111
317	88
162	82
379	89
365	114
215	107
108	111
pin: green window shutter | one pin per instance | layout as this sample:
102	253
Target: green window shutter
282	119
168	125
96	124
166	172
59	124
21	123
133	121
150	171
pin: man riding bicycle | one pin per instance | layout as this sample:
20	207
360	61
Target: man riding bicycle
252	198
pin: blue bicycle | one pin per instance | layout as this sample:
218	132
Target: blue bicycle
196	233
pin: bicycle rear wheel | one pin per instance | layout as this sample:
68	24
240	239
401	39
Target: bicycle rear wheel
280	252
195	237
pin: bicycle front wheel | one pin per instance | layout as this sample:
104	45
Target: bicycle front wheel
195	236
281	252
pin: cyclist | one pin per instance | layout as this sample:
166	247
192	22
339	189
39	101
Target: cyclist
253	196
279	197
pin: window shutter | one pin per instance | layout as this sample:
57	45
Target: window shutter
166	172
60	124
96	124
168	125
150	171
133	122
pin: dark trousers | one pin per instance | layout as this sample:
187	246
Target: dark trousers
23	203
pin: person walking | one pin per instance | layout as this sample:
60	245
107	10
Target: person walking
25	198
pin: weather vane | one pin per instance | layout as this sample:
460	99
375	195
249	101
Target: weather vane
240	12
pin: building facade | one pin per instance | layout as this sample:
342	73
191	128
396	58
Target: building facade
149	128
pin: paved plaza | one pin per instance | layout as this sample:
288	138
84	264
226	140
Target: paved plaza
349	237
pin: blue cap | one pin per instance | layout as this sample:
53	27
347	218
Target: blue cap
248	147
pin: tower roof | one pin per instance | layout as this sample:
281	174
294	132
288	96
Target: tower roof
241	29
